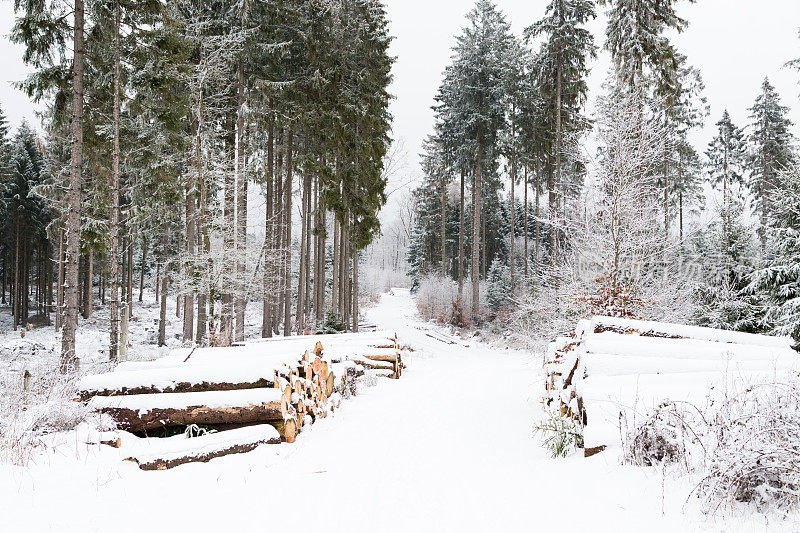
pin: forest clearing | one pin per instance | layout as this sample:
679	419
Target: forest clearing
395	265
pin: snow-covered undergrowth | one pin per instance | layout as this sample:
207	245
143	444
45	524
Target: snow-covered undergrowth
438	300
35	400
743	450
721	409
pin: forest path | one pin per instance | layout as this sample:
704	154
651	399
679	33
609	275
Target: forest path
449	447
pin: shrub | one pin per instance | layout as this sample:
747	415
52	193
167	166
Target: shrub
757	454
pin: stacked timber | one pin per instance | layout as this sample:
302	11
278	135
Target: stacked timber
236	398
611	370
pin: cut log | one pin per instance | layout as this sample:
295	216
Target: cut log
162	454
286	428
150	411
202	378
330	384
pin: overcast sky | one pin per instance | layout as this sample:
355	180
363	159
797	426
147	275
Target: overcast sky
735	43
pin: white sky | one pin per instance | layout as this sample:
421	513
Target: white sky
735	43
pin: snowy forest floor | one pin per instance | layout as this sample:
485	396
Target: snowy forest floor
449	447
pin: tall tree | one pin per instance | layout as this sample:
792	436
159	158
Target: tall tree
771	151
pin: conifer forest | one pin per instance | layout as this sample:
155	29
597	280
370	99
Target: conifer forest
276	249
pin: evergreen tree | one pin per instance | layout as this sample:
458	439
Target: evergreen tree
726	158
771	152
635	38
779	280
560	70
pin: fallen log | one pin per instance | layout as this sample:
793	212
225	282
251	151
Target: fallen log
162	454
140	413
203	378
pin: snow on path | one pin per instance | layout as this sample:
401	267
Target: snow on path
449	447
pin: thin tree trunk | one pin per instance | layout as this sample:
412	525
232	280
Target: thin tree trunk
15	298
241	210
513	259
191	238
525	215
444	226
287	206
141	269
461	240
87	295
355	291
537	231
266	319
336	276
162	317
69	359
476	236
60	283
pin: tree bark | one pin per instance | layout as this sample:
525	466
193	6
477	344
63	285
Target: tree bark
69	359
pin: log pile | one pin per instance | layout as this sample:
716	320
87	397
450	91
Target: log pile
611	370
245	396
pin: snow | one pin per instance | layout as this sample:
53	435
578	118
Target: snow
622	377
149	450
683	331
144	403
449	447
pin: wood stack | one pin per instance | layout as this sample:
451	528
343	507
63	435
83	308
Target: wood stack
260	386
611	370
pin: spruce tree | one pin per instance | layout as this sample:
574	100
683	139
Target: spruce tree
635	38
726	155
771	152
560	69
779	279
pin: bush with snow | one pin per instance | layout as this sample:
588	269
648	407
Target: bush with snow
756	454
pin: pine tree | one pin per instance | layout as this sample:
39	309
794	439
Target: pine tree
771	151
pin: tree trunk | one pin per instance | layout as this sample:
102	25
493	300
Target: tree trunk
241	211
191	238
537	230
287	206
87	295
229	229
476	236
60	282
525	215
513	210
355	291
461	240
69	359
162	317
15	299
444	226
141	269
269	226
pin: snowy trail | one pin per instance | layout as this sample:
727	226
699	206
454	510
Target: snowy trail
449	447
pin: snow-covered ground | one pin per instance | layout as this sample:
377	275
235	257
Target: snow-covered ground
449	447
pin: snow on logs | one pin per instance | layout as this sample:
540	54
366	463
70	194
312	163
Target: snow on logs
612	369
248	395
